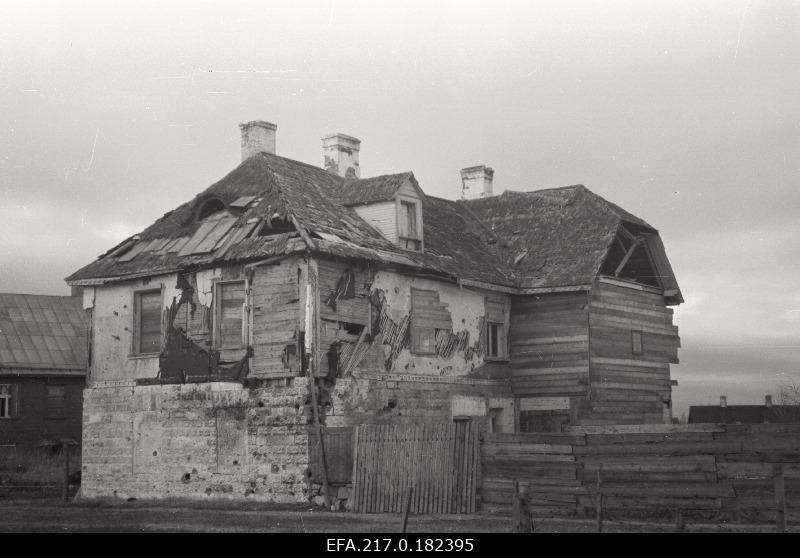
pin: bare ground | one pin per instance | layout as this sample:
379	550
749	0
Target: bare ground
44	516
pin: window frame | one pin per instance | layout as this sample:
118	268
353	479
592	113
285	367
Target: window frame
500	341
415	243
136	338
217	316
11	401
637	342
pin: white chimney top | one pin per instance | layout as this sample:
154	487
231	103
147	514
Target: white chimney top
258	136
476	182
340	155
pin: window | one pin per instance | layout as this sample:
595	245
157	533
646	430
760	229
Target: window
147	323
229	323
636	343
410	238
495	340
7	401
56	402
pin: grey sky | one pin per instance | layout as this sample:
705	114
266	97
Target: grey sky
684	113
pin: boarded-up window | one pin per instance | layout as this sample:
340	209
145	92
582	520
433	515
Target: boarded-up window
8	400
636	342
230	314
147	322
55	402
410	237
427	316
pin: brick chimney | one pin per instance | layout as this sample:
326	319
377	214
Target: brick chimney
768	400
258	136
723	401
476	182
340	153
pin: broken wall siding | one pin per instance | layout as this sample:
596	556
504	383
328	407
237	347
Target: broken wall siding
467	312
277	295
381	398
210	440
629	388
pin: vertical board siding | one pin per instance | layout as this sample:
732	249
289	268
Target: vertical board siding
275	299
439	461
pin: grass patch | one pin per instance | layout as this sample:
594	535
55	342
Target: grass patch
37	465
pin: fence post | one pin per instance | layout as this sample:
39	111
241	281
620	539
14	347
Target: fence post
599	506
65	490
780	497
679	525
408	508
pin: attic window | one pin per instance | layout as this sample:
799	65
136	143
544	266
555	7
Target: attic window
410	235
276	225
209	208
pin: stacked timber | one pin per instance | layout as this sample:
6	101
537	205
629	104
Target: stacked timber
544	464
710	471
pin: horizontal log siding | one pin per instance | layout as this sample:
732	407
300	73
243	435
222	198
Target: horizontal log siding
628	388
549	345
711	471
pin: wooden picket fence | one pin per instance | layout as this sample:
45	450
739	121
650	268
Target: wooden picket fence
437	464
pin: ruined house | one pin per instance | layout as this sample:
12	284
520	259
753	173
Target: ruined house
287	295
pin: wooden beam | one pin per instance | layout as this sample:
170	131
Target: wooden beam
628	254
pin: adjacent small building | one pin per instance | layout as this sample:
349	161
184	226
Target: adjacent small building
744	414
43	359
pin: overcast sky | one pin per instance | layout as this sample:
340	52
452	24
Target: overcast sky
685	113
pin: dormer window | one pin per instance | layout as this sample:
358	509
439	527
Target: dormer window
408	222
209	208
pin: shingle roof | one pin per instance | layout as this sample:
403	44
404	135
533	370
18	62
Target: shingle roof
547	238
42	333
557	237
372	189
744	414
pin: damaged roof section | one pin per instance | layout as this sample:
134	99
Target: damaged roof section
271	206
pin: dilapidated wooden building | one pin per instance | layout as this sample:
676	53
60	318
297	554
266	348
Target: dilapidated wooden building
287	294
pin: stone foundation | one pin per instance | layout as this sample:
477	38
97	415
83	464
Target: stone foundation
210	440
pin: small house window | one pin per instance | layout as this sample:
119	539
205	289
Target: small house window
636	343
147	323
56	402
230	314
410	237
7	401
495	340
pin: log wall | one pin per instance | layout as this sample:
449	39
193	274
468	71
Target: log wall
714	471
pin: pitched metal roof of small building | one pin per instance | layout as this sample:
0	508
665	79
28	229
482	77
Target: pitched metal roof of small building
547	238
42	333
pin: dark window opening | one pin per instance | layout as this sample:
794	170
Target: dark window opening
495	340
352	329
276	226
209	208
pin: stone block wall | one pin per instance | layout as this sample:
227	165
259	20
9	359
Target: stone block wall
205	440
